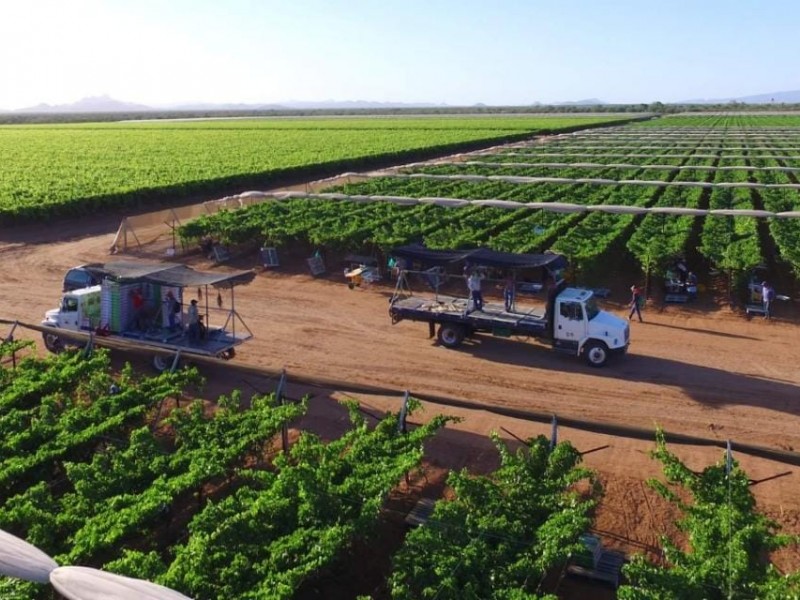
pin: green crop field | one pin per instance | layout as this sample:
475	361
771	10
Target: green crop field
72	169
705	163
726	121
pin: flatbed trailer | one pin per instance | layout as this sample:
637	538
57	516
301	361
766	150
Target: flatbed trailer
493	318
107	312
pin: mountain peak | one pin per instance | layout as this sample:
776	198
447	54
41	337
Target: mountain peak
103	103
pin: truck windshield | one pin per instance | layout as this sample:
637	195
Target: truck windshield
591	308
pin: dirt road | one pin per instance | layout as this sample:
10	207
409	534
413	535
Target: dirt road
703	371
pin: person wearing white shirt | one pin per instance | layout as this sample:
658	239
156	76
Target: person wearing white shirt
474	286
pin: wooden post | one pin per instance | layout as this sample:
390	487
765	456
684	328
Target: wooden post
401	423
10	338
279	396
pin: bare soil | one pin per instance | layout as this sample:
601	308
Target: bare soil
697	369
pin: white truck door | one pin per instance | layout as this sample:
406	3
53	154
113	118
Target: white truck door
570	322
69	315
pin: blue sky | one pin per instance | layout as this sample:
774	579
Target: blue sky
507	52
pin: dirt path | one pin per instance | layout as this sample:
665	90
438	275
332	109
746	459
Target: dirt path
701	371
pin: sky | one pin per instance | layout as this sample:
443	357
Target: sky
457	52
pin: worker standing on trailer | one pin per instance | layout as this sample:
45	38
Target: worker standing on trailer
474	286
137	301
173	308
509	291
193	318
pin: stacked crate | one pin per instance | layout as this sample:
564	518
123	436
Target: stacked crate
110	309
116	306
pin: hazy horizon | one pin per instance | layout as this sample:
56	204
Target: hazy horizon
464	53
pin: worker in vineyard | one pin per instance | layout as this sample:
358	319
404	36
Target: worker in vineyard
691	286
637	301
474	285
767	296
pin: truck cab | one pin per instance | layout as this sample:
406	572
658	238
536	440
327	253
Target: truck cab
78	310
580	327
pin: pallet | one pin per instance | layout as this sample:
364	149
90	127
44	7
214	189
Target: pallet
676	298
421	512
754	309
607	569
595	562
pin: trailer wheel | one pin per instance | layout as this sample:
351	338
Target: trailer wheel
451	335
53	342
161	363
595	353
227	354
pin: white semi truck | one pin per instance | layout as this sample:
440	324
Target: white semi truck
146	305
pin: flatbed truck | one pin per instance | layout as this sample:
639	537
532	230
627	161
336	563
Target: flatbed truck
571	322
106	311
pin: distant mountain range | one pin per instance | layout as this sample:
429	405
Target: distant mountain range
773	98
587	102
106	104
86	105
98	104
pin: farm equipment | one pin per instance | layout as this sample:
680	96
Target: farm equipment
571	322
680	284
755	296
143	305
361	270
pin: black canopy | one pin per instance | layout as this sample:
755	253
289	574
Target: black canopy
483	257
172	274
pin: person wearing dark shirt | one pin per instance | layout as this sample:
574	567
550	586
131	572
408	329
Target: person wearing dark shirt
636	303
509	289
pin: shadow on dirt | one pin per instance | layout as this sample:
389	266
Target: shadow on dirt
702	331
709	385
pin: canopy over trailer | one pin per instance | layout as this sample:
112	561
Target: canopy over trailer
434	262
173	274
483	257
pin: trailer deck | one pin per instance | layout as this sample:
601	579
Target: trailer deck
451	309
215	342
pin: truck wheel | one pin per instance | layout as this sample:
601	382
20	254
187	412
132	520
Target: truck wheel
450	335
595	353
53	342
